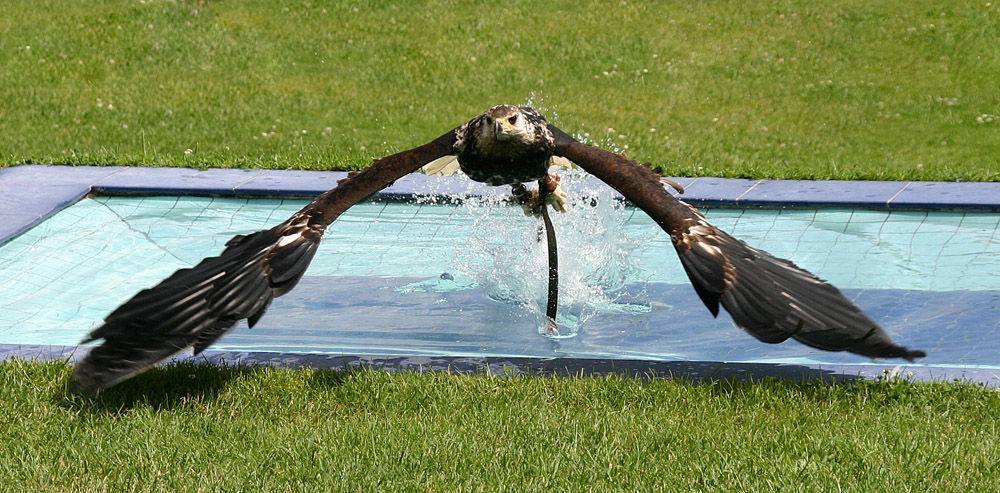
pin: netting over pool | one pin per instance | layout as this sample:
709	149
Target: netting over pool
468	279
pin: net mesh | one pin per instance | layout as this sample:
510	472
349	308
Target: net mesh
454	278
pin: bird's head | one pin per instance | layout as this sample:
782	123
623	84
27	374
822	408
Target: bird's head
505	122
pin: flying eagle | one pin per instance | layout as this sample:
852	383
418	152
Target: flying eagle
769	297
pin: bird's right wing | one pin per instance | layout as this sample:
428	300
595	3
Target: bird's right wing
197	306
771	298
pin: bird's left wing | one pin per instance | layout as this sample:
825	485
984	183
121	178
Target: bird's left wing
769	297
197	306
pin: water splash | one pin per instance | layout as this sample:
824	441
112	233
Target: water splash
538	103
506	255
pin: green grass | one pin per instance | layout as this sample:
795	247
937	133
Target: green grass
783	88
778	89
209	428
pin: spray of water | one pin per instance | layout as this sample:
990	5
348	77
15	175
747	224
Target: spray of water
506	255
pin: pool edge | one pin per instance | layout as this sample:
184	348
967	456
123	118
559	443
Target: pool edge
589	367
30	193
43	190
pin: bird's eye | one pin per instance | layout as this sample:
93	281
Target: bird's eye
512	119
489	121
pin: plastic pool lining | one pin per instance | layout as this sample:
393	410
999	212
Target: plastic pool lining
31	193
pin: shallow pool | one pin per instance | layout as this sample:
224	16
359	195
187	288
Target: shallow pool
468	279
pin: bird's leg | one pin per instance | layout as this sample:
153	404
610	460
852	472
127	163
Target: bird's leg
549	192
523	196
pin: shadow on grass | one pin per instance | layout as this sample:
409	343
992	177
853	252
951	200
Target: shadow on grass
180	384
187	383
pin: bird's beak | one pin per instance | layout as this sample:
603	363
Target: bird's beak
502	127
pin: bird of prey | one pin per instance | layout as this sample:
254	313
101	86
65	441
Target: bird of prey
769	297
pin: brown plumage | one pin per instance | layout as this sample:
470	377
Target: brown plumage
770	298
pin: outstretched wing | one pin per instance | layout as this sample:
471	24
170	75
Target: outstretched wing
197	306
769	297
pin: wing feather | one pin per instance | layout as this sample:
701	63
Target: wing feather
771	298
198	305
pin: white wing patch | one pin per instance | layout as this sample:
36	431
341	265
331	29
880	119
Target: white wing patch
709	249
294	231
697	233
700	236
289	239
444	166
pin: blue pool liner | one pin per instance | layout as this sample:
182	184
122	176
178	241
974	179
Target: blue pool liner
31	193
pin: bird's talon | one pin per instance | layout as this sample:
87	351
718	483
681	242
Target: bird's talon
558	199
554	194
532	204
530	207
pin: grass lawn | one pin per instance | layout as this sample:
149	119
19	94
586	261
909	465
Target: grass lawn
770	89
901	89
208	428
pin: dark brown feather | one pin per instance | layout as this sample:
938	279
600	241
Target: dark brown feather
769	297
197	306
